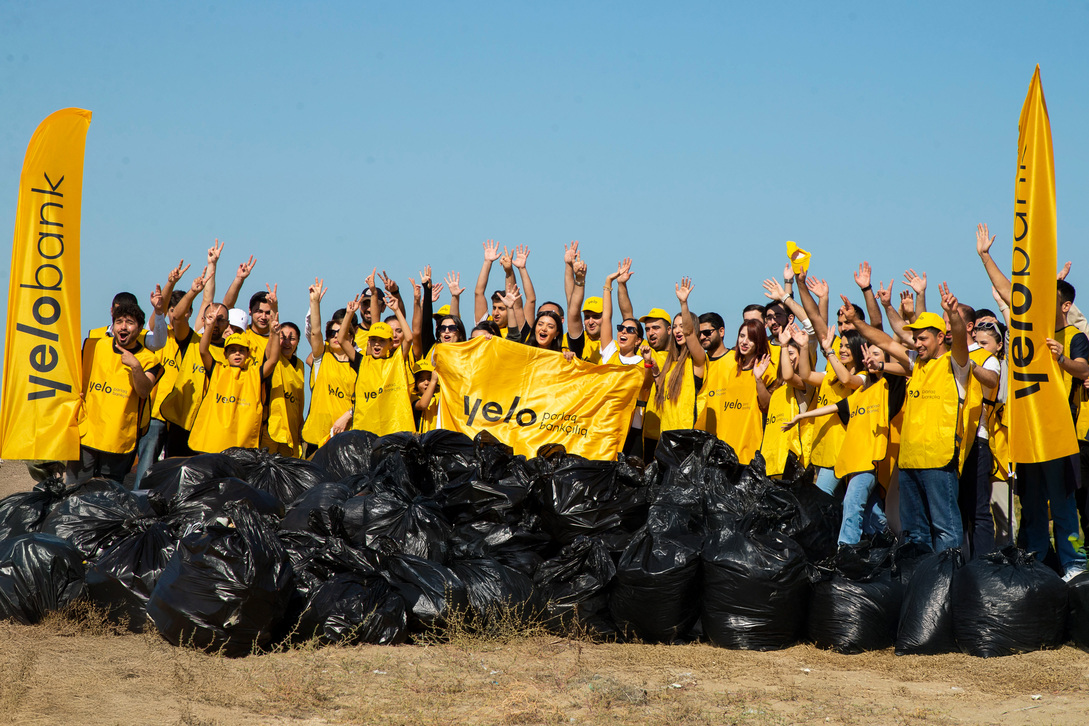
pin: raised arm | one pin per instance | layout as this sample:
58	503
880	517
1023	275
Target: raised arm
317	339
453	284
272	347
848	379
688	325
178	318
429	391
873	310
876	337
210	278
205	348
574	303
884	299
480	294
786	368
570	254
427	324
984	240
516	312
606	336
230	298
806	287
521	256
622	300
394	303
344	335
774	291
918	284
956	325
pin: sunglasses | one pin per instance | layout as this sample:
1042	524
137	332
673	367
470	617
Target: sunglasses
448	328
987	325
627	329
705	333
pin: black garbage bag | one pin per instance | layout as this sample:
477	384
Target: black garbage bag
316	501
498	595
417	527
353	608
226	587
24	512
345	454
1079	610
433	594
574	588
205	501
93	522
474	498
522	547
816	525
656	595
121	580
39	573
169	476
755	588
926	614
1008	602
283	477
855	603
451	462
604	499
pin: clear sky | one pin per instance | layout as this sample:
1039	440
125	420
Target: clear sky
327	138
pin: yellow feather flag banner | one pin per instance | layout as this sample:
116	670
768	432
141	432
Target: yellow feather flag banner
42	366
527	397
1041	427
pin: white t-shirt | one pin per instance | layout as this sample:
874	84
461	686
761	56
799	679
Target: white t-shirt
628	360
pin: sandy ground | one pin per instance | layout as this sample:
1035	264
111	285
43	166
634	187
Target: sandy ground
76	669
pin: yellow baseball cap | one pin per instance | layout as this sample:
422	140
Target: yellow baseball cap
926	320
235	339
441	312
799	258
656	314
423	366
592	305
380	330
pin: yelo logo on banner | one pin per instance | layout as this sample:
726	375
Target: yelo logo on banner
527	397
42	368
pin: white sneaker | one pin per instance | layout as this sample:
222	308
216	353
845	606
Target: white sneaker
1073	572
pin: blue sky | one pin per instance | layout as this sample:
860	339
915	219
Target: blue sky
327	138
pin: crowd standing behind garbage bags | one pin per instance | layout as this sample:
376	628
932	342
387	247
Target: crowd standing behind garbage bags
239	552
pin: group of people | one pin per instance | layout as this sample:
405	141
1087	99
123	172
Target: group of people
908	395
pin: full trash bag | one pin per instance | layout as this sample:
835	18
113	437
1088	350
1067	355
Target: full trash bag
205	501
521	546
656	594
345	454
1079	610
121	580
169	476
317	502
433	594
1008	602
754	590
39	573
226	587
574	588
353	608
94	521
476	497
416	527
283	477
451	462
593	499
855	603
497	593
24	512
926	614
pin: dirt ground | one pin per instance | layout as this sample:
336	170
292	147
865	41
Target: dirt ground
75	669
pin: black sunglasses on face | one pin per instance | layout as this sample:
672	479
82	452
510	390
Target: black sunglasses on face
705	333
448	328
626	329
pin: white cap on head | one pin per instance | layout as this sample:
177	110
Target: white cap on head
238	317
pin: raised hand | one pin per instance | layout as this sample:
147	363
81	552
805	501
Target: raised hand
157	298
273	301
389	284
521	254
788	274
245	268
817	286
198	283
176	274
907	304
798	334
274	324
762	365
214	252
580	268
684	289
317	290
417	291
436	292
850	315
425	275
491	250
623	269
352	307
391	303
984	239
949	300
453	282
505	260
571	252
862	277
915	282
369	279
1065	271
647	353
784	336
773	290
830	335
884	296
998	299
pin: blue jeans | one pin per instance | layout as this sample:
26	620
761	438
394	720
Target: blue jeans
148	449
929	512
862	510
1040	485
826	480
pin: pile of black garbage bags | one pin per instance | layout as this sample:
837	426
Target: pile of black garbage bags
380	540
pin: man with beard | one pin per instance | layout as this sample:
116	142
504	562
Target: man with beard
712	329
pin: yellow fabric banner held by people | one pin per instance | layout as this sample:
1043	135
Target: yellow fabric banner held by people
527	397
1041	427
42	366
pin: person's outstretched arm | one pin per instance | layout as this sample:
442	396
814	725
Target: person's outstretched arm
521	256
570	254
272	347
230	298
806	287
480	294
344	335
957	327
317	340
179	319
918	284
574	303
394	303
623	301
984	240
875	337
848	379
453	284
210	279
688	325
606	336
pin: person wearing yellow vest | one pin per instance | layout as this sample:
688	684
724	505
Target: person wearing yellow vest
626	348
932	428
426	407
790	395
281	433
233	408
332	380
867	413
678	381
118	376
712	332
735	392
990	335
656	324
381	401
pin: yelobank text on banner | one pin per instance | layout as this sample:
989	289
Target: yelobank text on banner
527	397
1041	427
42	364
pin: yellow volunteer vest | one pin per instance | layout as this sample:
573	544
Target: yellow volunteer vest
430	415
104	332
887	466
256	342
679	413
169	358
330	397
931	430
231	412
652	421
382	404
180	406
285	403
972	408
112	414
360	338
777	444
730	409
591	349
866	438
829	431
999	434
